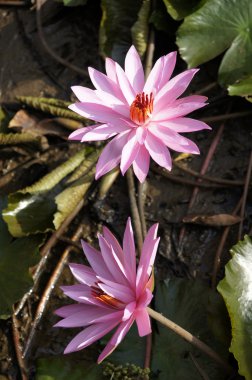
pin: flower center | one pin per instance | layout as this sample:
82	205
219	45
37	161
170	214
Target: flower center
141	109
105	298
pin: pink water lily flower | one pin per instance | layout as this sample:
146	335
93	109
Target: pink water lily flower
144	118
112	293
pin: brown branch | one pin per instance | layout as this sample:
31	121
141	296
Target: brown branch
51	52
48	291
205	177
227	116
18	348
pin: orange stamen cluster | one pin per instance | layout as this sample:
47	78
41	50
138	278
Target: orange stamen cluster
141	109
105	298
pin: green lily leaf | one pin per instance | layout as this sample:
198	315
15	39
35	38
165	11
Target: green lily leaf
74	3
16	256
242	88
219	26
140	29
198	309
32	209
63	368
115	29
235	288
179	9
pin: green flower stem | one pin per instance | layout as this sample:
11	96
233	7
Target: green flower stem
190	338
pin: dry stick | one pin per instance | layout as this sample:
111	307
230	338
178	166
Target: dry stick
186	181
134	209
203	170
218	253
244	196
59	59
234	115
46	250
198	367
207	88
49	289
12	2
18	348
190	338
205	177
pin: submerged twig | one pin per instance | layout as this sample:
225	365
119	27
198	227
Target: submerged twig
227	116
203	171
244	196
48	290
186	335
206	177
83	73
18	348
198	367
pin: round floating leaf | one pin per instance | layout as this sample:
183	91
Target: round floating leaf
16	256
242	88
179	9
236	289
63	368
217	26
199	310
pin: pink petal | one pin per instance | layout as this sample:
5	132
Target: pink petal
129	152
115	285
103	132
180	107
117	293
68	310
111	240
188	146
81	295
95	111
89	335
85	94
110	69
116	339
158	151
173	89
89	316
125	85
112	262
79	133
185	124
130	253
129	310
141	133
154	77
96	261
141	164
114	103
166	135
168	67
111	154
143	322
83	274
134	70
144	299
103	83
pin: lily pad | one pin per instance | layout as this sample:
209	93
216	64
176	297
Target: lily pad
16	256
198	309
236	289
179	9
63	368
242	88
219	26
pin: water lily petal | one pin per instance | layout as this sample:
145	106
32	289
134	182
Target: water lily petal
141	164
83	274
158	151
111	154
129	152
185	124
134	70
143	322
